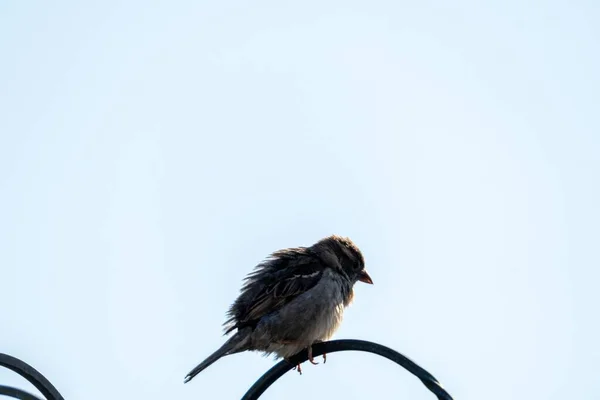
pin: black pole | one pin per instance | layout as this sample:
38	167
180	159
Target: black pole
17	393
263	383
32	375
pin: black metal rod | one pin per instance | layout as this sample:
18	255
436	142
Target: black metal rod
17	393
263	383
32	375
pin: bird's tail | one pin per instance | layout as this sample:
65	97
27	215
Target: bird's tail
234	345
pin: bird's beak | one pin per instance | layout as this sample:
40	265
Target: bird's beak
363	276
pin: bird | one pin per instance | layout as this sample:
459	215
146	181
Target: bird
294	298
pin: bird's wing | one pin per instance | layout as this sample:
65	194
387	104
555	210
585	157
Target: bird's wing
272	285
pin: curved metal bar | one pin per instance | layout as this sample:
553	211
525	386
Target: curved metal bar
17	393
32	375
263	383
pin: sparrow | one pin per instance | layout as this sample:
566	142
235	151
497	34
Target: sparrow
293	299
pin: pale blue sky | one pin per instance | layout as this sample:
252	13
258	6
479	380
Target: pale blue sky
151	153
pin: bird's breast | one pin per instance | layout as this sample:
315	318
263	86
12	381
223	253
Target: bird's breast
329	322
328	308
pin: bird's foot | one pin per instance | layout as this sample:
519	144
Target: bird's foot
296	366
310	356
324	354
299	369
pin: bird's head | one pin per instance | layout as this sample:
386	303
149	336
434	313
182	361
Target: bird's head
344	256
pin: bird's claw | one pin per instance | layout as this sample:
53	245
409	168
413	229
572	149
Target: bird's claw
299	369
310	356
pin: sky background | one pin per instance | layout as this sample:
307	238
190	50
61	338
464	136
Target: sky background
152	153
